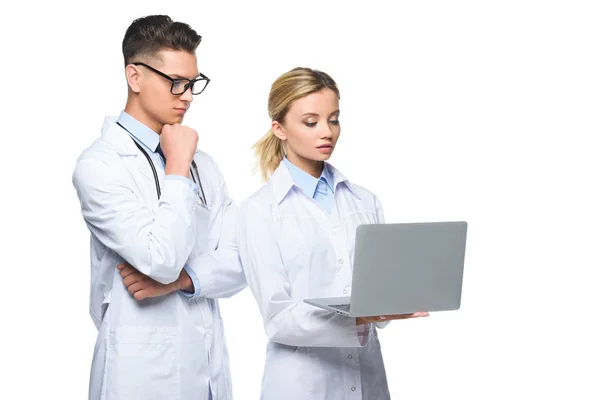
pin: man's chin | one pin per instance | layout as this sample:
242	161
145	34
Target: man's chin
174	120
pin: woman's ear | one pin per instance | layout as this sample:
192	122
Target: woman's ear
278	130
133	78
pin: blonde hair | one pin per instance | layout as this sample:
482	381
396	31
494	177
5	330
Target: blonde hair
289	87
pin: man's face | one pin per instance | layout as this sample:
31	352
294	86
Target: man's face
155	90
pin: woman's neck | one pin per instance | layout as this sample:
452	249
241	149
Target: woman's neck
311	167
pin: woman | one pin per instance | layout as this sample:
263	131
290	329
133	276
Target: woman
296	241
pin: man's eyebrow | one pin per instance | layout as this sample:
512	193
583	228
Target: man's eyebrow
177	76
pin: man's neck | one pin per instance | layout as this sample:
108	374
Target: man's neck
137	113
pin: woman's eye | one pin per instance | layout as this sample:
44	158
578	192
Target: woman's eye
335	122
310	124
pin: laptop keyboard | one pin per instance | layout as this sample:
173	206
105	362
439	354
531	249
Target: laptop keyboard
343	307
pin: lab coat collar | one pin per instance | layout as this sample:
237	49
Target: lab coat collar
282	181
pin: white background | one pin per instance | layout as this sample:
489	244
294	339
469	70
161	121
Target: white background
471	110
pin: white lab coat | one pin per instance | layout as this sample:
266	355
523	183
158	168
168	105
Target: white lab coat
291	249
169	347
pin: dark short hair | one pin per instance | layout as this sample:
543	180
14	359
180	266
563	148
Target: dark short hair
148	35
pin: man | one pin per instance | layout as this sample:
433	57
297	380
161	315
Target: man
162	231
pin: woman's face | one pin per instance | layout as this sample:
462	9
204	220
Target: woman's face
310	129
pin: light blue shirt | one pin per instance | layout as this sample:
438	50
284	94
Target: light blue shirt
319	189
149	140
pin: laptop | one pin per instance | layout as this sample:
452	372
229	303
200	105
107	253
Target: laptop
404	268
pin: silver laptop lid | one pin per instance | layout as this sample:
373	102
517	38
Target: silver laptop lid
404	268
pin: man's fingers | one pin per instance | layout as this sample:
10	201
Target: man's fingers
127	270
133	278
140	295
135	287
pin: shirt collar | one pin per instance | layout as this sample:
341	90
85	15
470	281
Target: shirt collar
306	182
282	180
139	131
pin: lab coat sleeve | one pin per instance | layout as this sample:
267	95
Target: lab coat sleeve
380	220
289	322
195	283
219	272
158	241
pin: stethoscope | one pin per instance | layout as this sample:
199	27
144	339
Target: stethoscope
194	166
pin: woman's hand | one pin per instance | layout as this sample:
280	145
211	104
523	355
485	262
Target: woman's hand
383	318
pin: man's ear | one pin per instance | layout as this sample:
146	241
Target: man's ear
133	77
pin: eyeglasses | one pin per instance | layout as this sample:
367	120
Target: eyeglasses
180	86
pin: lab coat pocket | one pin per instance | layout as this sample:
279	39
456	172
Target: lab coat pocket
287	373
142	363
280	352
